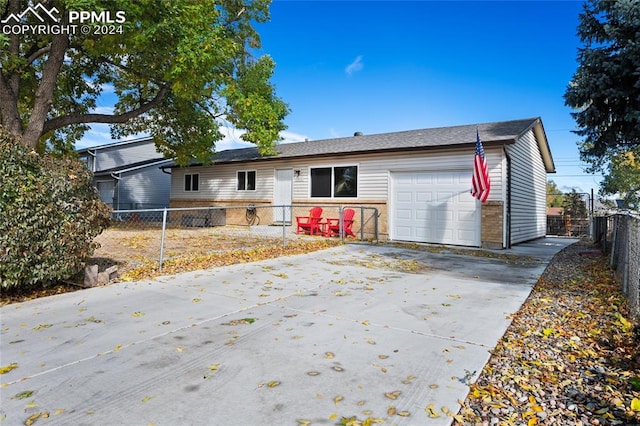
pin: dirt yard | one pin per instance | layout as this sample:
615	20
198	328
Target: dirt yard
132	248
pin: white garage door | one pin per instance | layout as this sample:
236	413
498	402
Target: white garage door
434	207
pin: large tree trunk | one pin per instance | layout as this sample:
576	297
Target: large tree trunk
10	85
44	94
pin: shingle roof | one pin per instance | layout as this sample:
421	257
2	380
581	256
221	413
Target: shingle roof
159	162
503	132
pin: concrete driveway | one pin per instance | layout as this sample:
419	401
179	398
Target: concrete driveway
355	331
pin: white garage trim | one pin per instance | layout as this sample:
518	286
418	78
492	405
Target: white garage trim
434	207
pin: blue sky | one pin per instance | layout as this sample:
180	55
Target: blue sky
384	66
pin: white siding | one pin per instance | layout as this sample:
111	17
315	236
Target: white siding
218	182
528	190
121	155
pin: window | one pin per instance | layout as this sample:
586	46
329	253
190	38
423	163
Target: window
337	182
191	182
246	180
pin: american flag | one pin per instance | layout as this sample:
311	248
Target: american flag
480	179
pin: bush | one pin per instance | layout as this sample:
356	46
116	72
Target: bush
49	215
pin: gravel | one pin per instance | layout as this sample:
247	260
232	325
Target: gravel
570	357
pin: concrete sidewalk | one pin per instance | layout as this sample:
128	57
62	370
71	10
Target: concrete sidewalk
350	331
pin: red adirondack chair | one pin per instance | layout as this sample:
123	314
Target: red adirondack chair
333	225
310	224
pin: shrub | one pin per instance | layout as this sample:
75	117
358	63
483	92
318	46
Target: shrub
49	216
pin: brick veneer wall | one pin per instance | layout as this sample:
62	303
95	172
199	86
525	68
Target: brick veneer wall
492	225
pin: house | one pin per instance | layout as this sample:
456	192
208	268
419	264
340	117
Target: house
555	211
419	180
127	174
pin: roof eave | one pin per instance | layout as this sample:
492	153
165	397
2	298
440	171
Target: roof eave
543	145
457	147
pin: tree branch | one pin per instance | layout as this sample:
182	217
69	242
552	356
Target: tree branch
35	55
66	120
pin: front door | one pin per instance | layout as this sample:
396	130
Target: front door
283	195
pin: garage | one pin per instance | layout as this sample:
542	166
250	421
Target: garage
434	207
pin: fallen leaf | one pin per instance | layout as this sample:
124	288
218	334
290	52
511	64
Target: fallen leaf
7	368
431	411
404	413
329	355
337	399
273	383
23	395
32	419
393	395
391	411
41	326
137	314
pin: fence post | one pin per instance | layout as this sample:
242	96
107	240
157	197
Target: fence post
164	228
612	259
284	226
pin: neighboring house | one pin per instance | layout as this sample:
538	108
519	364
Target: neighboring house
555	211
127	174
419	180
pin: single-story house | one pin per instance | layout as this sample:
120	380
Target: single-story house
127	174
419	180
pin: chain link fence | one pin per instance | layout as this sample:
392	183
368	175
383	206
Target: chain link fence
619	235
137	237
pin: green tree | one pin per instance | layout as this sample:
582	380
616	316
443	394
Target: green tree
574	205
623	177
178	68
555	197
604	89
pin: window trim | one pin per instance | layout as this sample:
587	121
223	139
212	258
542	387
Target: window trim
333	167
184	182
246	179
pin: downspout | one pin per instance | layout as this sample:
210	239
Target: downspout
117	179
508	201
93	163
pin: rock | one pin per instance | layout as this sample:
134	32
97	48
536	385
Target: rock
92	276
